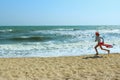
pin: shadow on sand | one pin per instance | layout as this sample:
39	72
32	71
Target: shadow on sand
93	57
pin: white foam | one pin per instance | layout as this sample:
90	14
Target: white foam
7	30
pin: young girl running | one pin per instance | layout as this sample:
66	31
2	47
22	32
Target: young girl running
100	43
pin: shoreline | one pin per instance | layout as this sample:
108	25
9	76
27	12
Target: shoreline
102	67
19	57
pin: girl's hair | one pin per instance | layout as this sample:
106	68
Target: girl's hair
97	33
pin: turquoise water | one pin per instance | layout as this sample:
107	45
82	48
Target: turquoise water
53	41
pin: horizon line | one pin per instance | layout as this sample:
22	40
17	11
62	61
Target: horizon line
66	25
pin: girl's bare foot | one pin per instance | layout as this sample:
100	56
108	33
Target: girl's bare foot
96	54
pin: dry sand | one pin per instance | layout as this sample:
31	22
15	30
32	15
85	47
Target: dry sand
86	67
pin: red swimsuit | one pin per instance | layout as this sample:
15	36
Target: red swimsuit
106	45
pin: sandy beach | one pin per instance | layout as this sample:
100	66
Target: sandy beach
87	67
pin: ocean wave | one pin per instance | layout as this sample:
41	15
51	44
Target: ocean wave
13	31
30	38
7	30
110	31
63	29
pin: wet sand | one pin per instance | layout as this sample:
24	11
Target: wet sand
89	67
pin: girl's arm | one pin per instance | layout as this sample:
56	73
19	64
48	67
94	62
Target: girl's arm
96	38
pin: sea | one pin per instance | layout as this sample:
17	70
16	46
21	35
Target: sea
56	41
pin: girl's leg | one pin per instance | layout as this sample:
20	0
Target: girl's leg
96	49
105	49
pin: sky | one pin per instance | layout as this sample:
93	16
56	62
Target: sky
59	12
